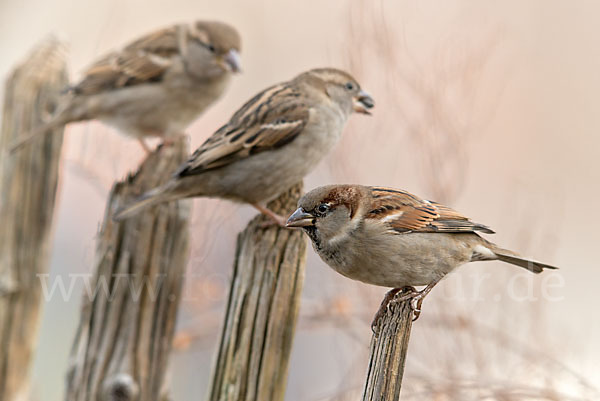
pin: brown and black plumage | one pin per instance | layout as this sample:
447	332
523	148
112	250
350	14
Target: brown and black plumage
392	238
268	121
269	144
156	85
406	212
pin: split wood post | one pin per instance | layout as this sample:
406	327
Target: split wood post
28	181
389	345
255	345
123	341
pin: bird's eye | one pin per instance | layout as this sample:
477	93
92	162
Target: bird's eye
211	48
323	208
349	86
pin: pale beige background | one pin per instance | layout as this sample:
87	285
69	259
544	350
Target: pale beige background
502	95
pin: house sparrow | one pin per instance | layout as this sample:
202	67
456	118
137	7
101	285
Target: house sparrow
269	144
156	85
391	238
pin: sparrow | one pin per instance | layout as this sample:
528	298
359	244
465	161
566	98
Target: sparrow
155	86
391	238
268	145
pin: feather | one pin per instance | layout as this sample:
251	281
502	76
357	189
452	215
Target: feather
268	121
405	212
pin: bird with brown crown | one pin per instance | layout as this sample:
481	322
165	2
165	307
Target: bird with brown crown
155	86
391	238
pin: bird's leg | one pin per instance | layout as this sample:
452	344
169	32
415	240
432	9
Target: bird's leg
417	299
389	296
170	140
275	218
144	146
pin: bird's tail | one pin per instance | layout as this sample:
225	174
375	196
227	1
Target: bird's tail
491	251
45	128
150	198
531	265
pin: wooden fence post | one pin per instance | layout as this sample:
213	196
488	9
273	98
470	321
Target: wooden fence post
121	347
28	181
268	274
389	345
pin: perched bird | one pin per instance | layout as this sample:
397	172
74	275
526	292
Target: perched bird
391	238
156	85
269	144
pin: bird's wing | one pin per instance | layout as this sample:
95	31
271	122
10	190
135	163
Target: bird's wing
268	121
405	212
142	61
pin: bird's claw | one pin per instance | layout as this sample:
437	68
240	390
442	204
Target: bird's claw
391	297
416	302
415	305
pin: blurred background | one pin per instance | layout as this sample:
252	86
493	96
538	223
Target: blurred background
490	107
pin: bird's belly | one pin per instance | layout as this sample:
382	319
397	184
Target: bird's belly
407	259
152	110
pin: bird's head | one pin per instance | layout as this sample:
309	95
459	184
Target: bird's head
328	212
341	88
213	49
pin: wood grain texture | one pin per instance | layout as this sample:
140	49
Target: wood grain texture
28	182
123	341
389	345
264	299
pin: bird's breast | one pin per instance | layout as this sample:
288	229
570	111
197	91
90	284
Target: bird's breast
394	260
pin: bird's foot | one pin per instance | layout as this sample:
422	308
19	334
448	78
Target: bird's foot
415	304
416	301
171	140
274	218
387	300
168	142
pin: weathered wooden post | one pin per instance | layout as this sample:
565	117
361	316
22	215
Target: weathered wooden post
28	181
262	310
122	345
389	345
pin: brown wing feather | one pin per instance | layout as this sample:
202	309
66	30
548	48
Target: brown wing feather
142	61
406	212
268	121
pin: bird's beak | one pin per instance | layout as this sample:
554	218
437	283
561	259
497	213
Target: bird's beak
300	219
363	102
231	61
